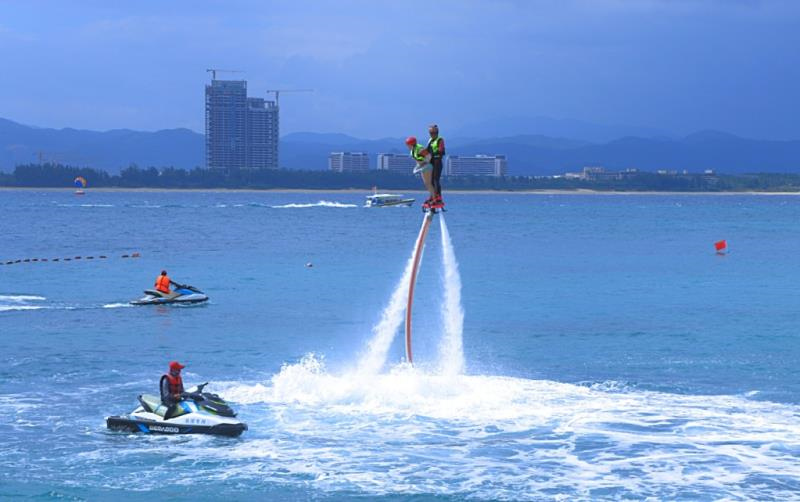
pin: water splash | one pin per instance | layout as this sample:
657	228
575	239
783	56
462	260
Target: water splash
374	358
451	348
21	298
497	437
20	302
10	308
322	203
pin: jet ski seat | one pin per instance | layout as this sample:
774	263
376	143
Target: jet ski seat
153	404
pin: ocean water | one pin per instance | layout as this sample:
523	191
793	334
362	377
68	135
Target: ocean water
566	347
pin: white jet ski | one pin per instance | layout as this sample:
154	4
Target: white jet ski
198	413
183	293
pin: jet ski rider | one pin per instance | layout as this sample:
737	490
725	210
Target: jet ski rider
163	281
172	387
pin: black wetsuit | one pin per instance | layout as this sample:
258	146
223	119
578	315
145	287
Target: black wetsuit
437	155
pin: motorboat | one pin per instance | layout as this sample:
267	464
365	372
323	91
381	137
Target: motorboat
387	200
183	293
199	412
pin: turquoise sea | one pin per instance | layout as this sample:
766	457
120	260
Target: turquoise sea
566	347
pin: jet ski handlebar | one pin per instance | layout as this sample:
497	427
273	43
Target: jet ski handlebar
187	286
196	395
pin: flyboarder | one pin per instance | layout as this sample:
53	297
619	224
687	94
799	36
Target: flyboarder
424	167
436	149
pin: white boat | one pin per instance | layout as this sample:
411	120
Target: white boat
387	199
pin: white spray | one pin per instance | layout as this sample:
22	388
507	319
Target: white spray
392	316
451	349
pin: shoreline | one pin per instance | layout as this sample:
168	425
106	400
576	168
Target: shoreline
367	191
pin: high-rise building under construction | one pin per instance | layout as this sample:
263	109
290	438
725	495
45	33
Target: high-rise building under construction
241	132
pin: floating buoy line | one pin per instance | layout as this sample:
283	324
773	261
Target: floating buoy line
69	258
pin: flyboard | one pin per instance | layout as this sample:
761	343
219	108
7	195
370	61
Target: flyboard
423	232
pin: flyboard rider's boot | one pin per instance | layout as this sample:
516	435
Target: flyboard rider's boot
437	203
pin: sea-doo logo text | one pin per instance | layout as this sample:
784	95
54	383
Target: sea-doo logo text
159	428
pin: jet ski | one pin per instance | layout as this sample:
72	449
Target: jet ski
198	413
183	293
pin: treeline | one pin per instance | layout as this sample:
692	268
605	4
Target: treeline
56	175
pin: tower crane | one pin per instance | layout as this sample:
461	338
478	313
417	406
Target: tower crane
213	72
279	91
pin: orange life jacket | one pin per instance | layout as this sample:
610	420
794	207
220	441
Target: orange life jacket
175	383
162	283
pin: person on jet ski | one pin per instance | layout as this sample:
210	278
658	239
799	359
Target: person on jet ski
172	387
163	281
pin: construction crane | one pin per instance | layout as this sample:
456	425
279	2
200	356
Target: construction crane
279	91
213	72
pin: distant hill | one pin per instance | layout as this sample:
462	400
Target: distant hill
704	150
306	150
109	150
557	128
528	154
542	155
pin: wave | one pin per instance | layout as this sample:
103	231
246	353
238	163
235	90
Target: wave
322	203
21	298
86	205
498	437
116	305
408	432
9	303
10	308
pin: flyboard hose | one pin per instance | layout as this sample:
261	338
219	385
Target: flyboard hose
423	232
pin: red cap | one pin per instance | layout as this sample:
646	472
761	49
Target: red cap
175	365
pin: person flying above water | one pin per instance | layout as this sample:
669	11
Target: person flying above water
423	159
171	386
163	281
436	149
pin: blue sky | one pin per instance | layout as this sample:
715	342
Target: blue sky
384	68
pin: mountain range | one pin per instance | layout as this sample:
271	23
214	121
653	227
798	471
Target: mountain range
527	154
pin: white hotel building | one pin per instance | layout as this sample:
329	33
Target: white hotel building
396	162
348	161
479	165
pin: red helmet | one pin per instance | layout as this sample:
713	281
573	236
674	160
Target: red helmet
411	141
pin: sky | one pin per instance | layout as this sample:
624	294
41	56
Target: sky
384	68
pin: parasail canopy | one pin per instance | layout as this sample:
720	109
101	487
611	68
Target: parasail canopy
80	182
